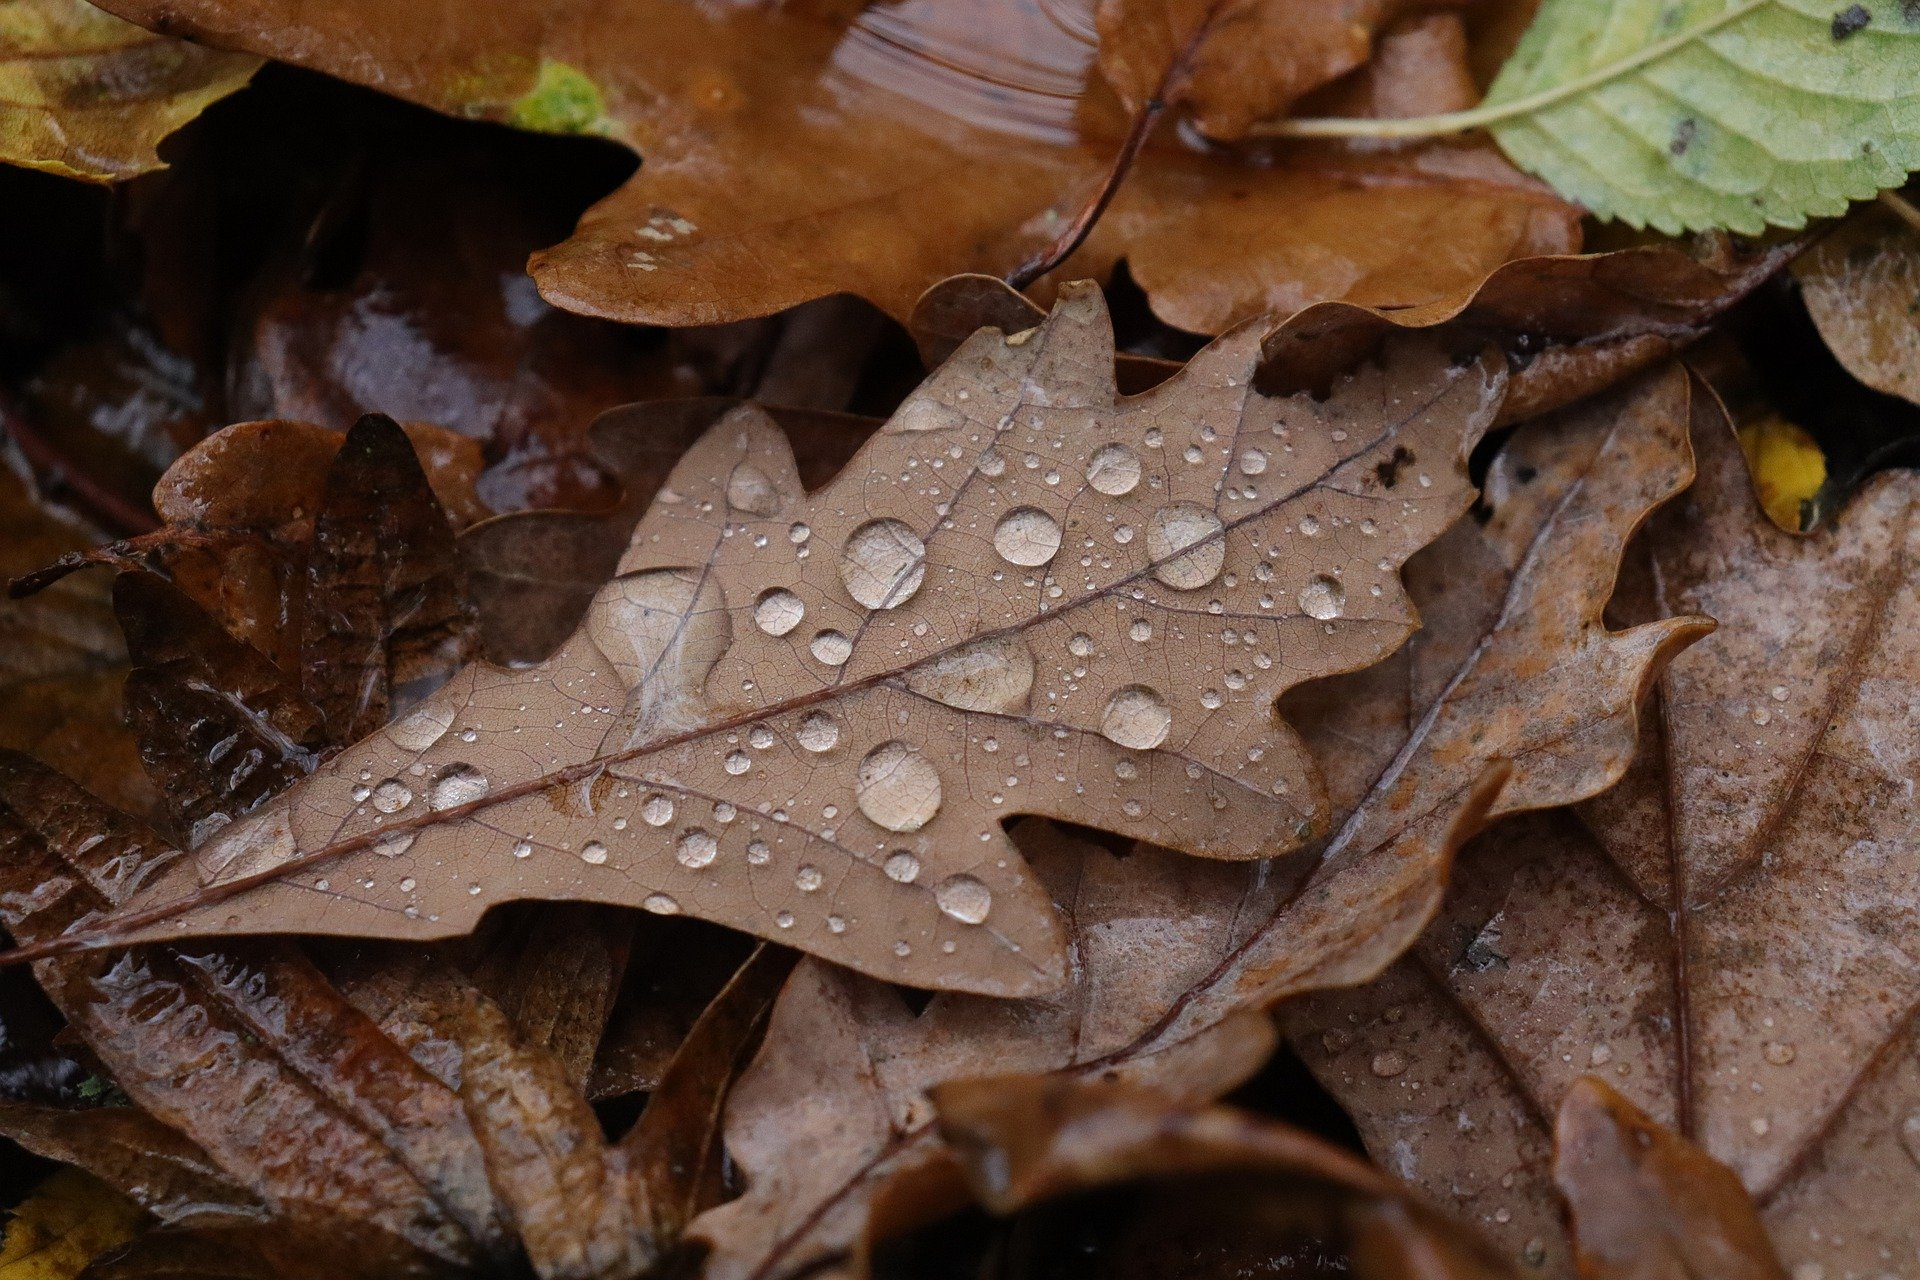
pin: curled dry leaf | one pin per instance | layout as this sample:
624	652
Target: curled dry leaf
1526	675
1861	282
1644	1203
91	96
1725	938
1212	1180
796	151
806	716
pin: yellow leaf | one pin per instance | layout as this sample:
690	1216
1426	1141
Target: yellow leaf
1788	470
71	1219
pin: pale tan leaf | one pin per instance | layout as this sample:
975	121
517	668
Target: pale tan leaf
1861	282
807	716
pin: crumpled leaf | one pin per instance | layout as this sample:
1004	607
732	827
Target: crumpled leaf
1645	1203
1236	938
1861	282
1714	113
155	1167
68	1221
91	96
1213	1181
792	152
1721	938
806	716
835	1110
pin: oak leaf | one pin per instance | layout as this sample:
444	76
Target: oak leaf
1527	674
1725	938
792	152
89	95
806	716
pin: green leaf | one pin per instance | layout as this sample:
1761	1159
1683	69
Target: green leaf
1691	114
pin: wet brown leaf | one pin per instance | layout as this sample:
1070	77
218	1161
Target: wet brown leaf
1214	1183
90	96
834	1109
1721	938
1526	675
803	716
792	152
1645	1204
156	1167
1861	282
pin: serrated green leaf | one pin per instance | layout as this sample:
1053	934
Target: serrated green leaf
1689	114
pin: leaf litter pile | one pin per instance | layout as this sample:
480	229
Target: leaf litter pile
992	639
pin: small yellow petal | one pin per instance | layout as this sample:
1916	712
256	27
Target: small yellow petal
1788	470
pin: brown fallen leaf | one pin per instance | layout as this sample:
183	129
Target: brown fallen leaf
1721	938
1217	1186
835	1107
1527	675
156	1167
1861	282
1646	1205
62	661
91	96
793	152
806	716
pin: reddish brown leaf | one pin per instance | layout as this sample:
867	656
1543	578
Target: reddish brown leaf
156	1167
1647	1205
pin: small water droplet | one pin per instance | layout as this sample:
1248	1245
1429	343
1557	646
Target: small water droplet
883	564
778	611
523	849
1779	1053
696	848
1174	529
1114	470
360	792
407	884
1761	716
902	949
457	784
836	924
1027	536
1253	462
831	647
1310	525
392	796
964	898
902	867
1323	598
798	534
660	904
593	853
760	737
1136	717
657	811
758	854
738	762
1211	699
1388	1064
1779	693
1141	630
1080	644
1759	1126
898	787
808	879
819	732
421	728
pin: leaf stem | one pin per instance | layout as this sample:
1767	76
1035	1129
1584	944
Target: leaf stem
1901	208
1495	113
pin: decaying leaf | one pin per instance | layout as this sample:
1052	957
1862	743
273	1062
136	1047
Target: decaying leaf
835	1107
1216	1186
63	1225
1725	938
796	151
1861	282
1642	1202
807	716
90	96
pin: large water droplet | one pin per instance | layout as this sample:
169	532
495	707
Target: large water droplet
1175	528
1027	536
738	762
819	732
593	852
657	810
421	728
1136	717
1323	598
994	674
660	904
897	787
1114	470
778	611
832	648
457	784
392	796
749	489
902	866
884	564
964	898
696	848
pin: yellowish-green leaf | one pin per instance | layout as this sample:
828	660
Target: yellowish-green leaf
87	95
68	1221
